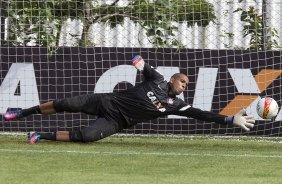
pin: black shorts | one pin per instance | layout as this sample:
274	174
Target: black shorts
100	105
89	104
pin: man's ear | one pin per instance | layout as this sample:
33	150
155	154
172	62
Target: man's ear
171	80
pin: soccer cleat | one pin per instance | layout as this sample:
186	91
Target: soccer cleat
33	137
12	115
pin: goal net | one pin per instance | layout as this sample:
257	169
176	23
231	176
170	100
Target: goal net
58	49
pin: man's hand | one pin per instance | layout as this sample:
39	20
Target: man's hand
138	62
245	122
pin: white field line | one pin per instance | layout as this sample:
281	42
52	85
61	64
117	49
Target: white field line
189	137
128	153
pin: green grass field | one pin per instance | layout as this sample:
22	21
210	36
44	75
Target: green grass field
141	160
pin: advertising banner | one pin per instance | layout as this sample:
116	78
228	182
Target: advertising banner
222	81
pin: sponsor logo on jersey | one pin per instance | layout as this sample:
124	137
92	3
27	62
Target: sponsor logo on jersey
170	101
155	101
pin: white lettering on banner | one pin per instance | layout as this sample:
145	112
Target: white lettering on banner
115	75
204	90
205	85
244	80
245	83
23	74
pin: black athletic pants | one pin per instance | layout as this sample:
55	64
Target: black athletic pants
89	104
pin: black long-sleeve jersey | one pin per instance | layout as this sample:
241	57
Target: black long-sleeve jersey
150	100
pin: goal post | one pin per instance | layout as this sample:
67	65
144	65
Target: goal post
59	49
219	82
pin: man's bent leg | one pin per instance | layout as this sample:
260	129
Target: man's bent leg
100	129
85	103
45	108
15	115
34	137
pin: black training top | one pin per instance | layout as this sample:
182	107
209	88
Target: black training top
150	100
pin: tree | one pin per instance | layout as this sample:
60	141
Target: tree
262	37
40	21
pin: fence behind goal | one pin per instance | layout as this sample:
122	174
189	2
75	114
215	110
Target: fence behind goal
51	50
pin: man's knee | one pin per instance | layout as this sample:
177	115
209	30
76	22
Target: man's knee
61	105
87	136
91	136
74	104
101	129
76	136
95	133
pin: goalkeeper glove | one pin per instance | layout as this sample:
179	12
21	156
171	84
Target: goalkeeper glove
138	62
239	120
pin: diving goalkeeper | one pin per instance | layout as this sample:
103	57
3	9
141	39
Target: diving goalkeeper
151	99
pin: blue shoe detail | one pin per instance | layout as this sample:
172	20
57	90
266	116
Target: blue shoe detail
33	137
12	115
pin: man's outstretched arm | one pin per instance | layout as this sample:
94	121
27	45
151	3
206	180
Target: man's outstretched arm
148	71
239	119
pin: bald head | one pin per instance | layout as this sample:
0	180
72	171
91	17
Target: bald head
178	75
178	83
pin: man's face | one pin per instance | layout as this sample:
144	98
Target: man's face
178	84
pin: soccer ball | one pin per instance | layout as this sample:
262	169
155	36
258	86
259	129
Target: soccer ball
267	108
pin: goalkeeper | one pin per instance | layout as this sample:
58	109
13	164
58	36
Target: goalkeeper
153	98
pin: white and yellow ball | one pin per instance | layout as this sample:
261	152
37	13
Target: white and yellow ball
267	108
